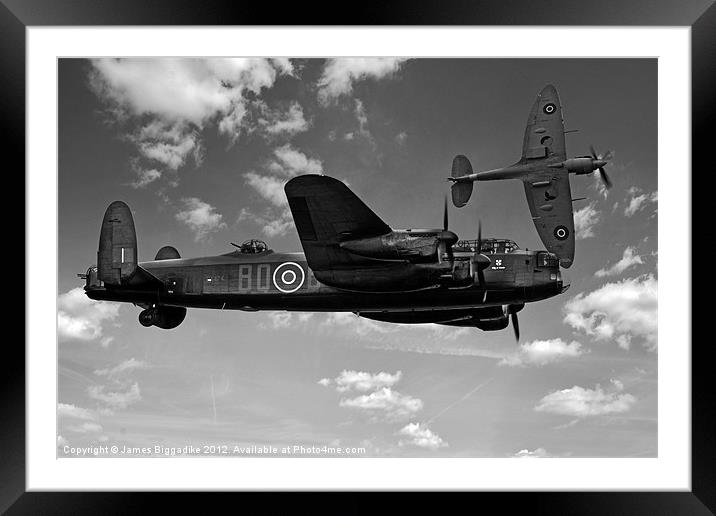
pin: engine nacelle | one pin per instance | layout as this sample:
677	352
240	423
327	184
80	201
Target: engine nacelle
497	324
164	317
580	166
400	277
416	245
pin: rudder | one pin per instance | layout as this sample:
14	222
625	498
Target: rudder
117	254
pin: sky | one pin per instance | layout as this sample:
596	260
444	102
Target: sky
200	150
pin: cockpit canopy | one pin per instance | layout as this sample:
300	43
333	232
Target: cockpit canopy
489	246
252	246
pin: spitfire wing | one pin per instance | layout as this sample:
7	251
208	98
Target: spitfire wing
326	212
550	200
544	135
547	189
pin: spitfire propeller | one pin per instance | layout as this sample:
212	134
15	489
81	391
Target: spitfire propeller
599	163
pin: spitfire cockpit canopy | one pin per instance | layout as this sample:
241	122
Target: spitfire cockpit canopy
252	246
489	246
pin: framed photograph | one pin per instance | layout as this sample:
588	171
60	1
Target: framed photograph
359	258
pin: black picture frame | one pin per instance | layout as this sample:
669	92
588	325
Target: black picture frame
17	15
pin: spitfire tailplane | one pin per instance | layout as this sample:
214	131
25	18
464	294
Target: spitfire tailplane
461	190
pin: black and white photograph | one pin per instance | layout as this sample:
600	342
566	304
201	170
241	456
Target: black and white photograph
356	257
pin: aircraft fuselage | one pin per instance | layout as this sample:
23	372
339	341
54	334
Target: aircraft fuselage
283	281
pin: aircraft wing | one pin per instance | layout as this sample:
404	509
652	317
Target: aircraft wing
326	212
549	197
544	134
547	189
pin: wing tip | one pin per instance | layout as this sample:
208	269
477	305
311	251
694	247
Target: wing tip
307	180
549	89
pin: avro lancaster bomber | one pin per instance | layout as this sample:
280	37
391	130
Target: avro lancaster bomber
352	261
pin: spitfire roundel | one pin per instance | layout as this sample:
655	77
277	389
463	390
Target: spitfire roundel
561	233
288	277
549	108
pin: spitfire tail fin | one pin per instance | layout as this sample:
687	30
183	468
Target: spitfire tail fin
461	190
117	254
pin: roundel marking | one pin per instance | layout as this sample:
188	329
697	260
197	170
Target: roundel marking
291	279
561	233
549	108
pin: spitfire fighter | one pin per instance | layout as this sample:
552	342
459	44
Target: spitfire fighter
544	170
352	262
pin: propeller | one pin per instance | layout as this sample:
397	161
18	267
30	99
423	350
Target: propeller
481	261
600	162
512	310
446	238
480	274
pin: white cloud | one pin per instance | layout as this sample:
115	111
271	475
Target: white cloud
75	412
176	99
116	399
581	402
600	186
167	143
273	223
124	367
585	220
287	162
421	436
340	74
639	200
86	427
283	64
62	442
541	352
145	177
201	217
279	319
362	381
290	162
362	118
629	258
181	90
619	311
81	318
385	402
526	454
289	123
268	187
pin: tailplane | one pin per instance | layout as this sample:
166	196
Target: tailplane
461	190
167	253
